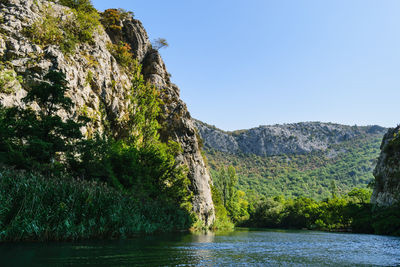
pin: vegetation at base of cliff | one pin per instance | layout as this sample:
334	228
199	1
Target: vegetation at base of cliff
349	164
230	197
65	31
139	170
222	220
35	207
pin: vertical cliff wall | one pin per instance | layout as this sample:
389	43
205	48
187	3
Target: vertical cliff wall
387	171
97	81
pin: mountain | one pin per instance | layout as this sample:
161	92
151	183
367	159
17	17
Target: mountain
39	36
300	159
387	171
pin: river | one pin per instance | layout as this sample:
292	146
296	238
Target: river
241	247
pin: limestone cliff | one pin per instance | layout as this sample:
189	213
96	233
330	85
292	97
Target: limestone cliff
293	138
97	81
387	171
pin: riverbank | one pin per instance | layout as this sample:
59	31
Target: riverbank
347	213
38	208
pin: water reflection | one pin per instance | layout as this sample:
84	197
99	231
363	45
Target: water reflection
242	247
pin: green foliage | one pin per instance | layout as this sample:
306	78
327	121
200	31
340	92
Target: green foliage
8	78
112	19
393	145
309	175
360	195
386	221
138	164
144	109
33	207
52	29
222	221
81	5
123	55
351	212
33	140
225	182
150	172
233	200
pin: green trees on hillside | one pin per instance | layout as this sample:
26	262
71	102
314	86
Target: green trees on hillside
339	212
309	175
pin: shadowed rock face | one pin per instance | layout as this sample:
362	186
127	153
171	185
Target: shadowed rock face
271	140
109	84
387	171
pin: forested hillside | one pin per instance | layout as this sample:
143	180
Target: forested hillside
332	164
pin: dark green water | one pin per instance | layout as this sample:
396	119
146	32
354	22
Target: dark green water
242	247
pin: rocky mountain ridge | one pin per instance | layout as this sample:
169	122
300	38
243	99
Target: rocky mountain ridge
97	82
271	140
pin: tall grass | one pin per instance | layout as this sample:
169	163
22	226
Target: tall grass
34	207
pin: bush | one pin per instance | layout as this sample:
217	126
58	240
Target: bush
112	19
8	79
123	55
81	5
79	27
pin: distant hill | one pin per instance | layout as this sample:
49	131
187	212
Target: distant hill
299	159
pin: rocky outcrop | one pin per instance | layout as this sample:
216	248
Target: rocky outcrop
387	171
295	138
98	84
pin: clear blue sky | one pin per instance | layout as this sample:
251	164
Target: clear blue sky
241	64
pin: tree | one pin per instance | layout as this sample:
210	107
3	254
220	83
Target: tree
226	183
37	139
333	189
360	195
159	43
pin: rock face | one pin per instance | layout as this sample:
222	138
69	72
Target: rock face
296	138
97	81
387	171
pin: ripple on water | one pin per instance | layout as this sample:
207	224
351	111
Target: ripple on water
242	247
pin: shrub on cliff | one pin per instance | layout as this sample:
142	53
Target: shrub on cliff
52	29
112	19
81	5
123	55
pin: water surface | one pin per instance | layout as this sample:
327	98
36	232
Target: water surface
241	247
